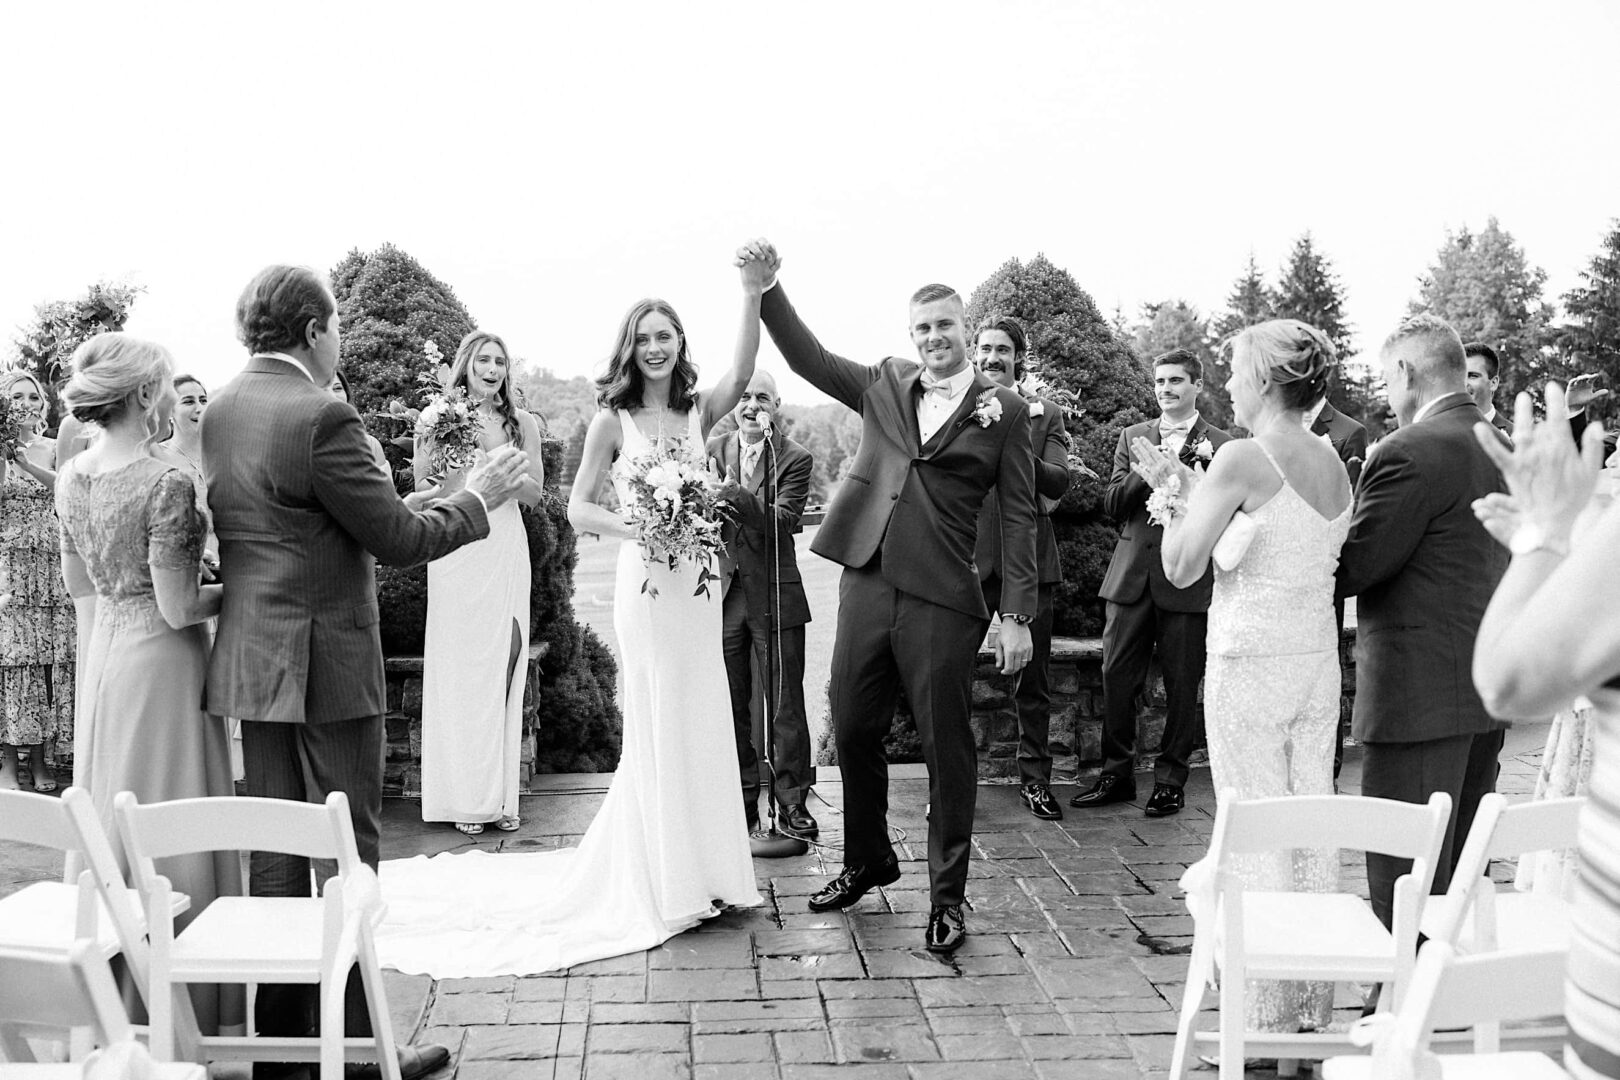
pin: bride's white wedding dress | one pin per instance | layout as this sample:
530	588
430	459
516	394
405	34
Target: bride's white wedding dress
669	846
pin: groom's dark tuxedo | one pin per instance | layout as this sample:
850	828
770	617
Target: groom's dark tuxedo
1422	569
1144	610
910	611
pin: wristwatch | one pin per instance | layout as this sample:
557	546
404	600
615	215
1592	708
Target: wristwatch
1021	620
1530	537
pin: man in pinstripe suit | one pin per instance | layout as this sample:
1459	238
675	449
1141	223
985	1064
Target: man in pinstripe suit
300	510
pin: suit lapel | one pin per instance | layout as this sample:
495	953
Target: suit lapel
1189	445
896	404
958	419
756	482
1324	420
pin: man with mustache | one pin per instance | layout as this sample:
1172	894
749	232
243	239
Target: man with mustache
756	450
1145	611
935	438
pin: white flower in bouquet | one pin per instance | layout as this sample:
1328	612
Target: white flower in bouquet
677	511
451	429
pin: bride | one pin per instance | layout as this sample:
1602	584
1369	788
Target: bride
669	846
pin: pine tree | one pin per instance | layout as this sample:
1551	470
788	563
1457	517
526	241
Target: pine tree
1076	350
1483	285
1591	338
1176	324
1309	291
1250	301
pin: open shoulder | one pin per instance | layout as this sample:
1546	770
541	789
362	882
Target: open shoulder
1241	459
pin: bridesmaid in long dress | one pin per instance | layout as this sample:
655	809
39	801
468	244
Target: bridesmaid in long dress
132	533
37	651
1553	631
478	616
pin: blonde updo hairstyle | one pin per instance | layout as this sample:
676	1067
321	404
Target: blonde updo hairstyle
12	378
1294	358
108	371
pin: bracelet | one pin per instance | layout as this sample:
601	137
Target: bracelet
1021	620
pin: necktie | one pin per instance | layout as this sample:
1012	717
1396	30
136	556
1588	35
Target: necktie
750	458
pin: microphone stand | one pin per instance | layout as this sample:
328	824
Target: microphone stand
771	843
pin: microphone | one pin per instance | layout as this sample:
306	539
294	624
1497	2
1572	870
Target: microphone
763	419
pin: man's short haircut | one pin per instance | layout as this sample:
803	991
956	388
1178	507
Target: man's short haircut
929	293
1493	363
275	309
1441	349
1184	359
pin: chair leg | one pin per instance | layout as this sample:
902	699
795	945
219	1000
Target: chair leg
1192	996
1232	1023
333	1030
377	1005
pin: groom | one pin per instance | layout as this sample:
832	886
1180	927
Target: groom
935	438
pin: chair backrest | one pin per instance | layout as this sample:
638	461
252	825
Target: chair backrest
233	823
27	818
56	992
1496	986
1385	826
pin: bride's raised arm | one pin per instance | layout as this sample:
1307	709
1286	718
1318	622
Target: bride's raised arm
757	272
585	514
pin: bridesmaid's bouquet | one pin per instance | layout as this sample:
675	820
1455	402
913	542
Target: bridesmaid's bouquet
677	510
11	417
450	426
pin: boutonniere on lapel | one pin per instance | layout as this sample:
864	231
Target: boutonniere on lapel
987	410
1036	409
1205	450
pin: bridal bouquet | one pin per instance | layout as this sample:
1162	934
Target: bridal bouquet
10	417
676	508
450	426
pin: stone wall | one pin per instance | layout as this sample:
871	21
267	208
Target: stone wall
1077	709
402	763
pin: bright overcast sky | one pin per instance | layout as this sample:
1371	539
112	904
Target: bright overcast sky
554	162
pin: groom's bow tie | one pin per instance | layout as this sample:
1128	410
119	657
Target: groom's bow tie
1166	430
931	385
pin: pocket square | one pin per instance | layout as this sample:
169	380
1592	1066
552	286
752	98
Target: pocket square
1234	542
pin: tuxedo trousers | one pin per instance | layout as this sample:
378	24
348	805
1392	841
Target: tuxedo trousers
888	639
1033	699
306	763
1130	634
743	641
1463	766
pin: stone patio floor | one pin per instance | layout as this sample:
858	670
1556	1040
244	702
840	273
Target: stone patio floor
1074	967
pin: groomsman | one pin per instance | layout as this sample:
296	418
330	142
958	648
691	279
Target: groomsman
1001	349
1422	569
1144	610
1483	379
746	457
935	438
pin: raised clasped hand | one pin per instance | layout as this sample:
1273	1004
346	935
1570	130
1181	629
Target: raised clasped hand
758	261
1549	480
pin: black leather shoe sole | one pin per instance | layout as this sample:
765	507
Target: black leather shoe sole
831	898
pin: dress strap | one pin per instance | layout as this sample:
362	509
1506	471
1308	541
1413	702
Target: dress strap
1281	475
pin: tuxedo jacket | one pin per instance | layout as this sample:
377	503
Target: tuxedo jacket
300	508
1348	437
746	546
1503	423
1050	442
1137	566
916	506
1422	569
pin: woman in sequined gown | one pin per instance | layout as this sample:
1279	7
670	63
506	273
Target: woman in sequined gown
37	636
132	533
1271	689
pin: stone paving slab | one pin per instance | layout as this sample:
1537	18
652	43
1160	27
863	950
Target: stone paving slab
1074	968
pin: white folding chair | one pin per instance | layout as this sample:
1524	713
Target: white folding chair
48	992
1452	991
1476	917
1301	936
51	916
253	939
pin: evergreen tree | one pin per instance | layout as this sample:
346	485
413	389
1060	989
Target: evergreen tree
1250	301
1309	291
1591	338
1077	351
46	344
1483	285
1176	324
389	307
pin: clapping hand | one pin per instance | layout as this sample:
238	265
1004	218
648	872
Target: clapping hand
499	476
1156	464
1582	391
759	263
1549	481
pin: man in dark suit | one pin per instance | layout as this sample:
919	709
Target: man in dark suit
1000	351
935	438
1422	569
1144	610
746	457
1484	376
300	509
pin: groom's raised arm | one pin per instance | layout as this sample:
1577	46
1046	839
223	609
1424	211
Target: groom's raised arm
840	379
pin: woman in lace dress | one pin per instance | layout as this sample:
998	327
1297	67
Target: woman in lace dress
669	846
37	636
1271	690
1552	631
132	533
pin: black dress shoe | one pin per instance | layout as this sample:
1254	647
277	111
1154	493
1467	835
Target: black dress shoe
1108	789
1038	797
852	883
946	931
795	820
416	1060
1165	800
